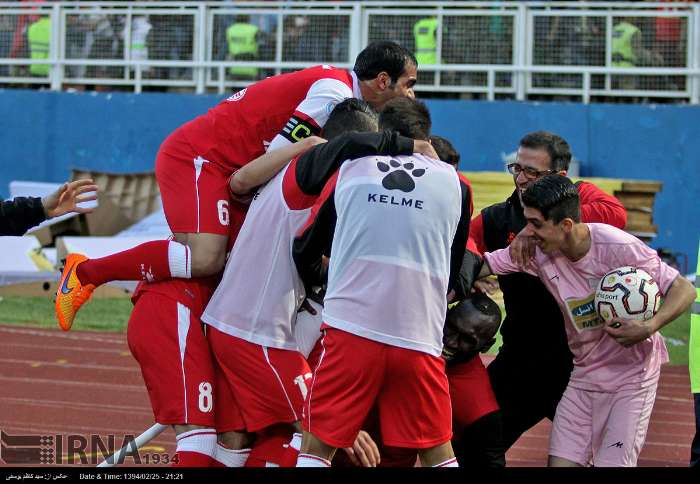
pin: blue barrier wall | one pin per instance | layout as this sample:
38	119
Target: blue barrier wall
44	134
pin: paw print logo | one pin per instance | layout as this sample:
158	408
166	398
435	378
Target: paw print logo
401	178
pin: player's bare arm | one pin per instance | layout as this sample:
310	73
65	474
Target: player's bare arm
678	299
261	169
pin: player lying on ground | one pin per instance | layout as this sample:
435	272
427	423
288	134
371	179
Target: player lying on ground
604	413
194	164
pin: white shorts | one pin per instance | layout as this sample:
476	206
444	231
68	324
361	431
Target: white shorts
602	429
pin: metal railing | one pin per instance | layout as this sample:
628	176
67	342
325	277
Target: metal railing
512	50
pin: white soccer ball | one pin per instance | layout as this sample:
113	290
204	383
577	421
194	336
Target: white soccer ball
627	293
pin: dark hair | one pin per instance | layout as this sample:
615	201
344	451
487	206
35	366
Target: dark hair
383	56
481	302
555	196
350	115
444	149
407	116
558	149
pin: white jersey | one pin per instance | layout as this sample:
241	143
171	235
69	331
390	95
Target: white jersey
390	260
260	290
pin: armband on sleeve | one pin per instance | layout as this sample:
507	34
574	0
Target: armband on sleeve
298	128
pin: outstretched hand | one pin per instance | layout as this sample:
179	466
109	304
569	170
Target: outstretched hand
68	196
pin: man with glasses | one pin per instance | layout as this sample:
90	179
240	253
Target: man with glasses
533	364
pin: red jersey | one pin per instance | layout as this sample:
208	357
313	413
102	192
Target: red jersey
270	113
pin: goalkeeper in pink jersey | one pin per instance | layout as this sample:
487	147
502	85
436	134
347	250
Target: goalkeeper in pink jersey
604	413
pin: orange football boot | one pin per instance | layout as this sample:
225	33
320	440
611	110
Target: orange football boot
71	294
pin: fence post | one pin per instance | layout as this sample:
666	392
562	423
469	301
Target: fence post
55	50
524	32
356	28
200	48
694	48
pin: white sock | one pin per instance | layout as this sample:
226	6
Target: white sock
230	457
308	460
179	260
295	443
202	441
448	463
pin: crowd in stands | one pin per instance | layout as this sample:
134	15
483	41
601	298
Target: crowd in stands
486	39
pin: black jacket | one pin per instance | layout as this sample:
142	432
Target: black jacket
21	214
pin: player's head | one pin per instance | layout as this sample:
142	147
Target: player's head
407	116
350	115
540	153
386	70
470	327
552	210
445	151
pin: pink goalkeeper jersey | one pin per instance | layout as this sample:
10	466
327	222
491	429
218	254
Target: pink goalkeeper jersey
600	363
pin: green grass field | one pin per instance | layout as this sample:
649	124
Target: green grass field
112	314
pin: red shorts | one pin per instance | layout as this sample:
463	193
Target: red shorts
470	391
194	190
268	384
409	388
167	340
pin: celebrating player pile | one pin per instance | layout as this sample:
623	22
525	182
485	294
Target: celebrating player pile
308	187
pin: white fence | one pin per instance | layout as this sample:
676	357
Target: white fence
493	50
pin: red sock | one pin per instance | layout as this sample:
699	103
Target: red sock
151	261
193	459
271	449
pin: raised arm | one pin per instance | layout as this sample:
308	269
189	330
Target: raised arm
264	167
315	167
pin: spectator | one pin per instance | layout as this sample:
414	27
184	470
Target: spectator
628	51
39	36
7	28
242	41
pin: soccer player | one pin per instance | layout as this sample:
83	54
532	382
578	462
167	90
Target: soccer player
396	228
532	367
21	214
195	162
603	415
251	314
166	337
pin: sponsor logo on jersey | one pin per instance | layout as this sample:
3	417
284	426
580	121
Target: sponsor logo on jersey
395	200
237	96
583	313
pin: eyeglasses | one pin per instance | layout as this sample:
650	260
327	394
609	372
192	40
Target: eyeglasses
516	169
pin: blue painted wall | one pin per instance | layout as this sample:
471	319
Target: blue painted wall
44	134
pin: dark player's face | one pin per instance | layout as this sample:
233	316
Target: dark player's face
531	162
548	235
470	334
